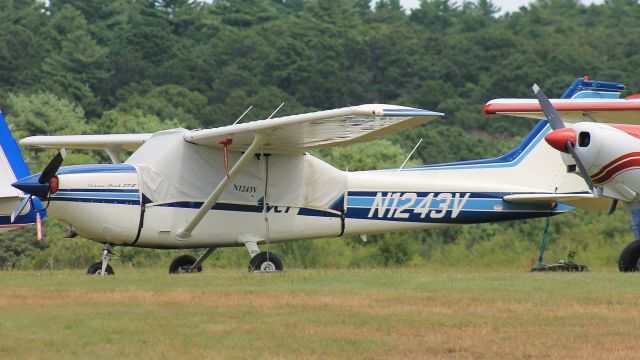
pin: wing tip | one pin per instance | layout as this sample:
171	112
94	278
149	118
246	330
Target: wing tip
488	109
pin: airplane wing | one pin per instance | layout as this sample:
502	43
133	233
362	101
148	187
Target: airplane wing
295	133
112	141
618	111
300	133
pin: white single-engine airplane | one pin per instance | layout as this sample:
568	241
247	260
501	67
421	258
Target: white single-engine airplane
606	155
254	183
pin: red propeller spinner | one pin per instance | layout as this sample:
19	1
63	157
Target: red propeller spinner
558	139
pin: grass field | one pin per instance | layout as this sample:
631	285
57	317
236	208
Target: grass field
328	314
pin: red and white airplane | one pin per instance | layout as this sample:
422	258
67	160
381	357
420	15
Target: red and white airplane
599	138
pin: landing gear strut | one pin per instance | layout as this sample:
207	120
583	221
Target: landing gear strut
103	267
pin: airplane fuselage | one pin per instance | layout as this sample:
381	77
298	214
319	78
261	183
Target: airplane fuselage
105	203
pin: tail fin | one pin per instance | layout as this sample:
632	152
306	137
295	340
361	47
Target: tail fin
13	168
584	88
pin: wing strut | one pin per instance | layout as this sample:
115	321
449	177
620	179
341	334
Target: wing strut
185	233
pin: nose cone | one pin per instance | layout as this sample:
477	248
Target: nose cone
558	138
31	186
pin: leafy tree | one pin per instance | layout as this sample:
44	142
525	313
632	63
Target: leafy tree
78	64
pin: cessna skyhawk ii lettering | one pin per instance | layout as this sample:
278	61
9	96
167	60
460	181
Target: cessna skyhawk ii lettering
253	183
606	155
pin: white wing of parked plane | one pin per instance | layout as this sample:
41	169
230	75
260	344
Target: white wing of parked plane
295	133
300	133
111	141
618	111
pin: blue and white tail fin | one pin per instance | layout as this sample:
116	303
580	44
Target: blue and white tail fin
584	88
13	168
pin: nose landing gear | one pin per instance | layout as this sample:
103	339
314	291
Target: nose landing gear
103	267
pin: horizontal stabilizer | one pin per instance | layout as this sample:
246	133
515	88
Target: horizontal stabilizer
584	201
547	198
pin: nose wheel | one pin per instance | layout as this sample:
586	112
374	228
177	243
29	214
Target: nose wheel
96	269
103	267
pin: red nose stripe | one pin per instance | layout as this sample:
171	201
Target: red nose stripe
558	138
616	167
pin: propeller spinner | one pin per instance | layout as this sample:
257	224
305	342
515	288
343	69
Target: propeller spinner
41	186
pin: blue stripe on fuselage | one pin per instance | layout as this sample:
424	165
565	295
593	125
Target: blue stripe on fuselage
417	207
107	196
443	207
510	159
96	168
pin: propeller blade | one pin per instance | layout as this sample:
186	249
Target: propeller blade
581	167
547	108
52	167
612	206
556	124
19	208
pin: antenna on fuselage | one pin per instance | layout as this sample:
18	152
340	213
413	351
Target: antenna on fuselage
243	114
409	156
275	111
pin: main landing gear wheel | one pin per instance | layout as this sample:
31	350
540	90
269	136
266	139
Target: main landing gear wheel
183	264
265	261
96	268
630	257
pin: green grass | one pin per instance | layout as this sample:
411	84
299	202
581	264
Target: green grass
405	313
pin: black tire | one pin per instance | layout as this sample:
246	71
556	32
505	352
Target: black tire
96	267
182	265
629	257
265	261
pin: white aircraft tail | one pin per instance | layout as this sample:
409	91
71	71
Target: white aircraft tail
533	167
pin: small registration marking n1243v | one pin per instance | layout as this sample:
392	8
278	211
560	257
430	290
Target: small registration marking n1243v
400	205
